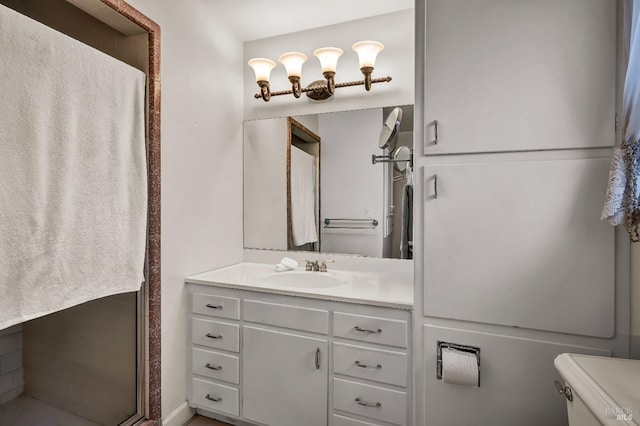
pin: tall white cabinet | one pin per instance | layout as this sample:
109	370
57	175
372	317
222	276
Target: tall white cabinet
515	124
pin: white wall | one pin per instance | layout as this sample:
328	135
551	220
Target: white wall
394	30
201	163
355	185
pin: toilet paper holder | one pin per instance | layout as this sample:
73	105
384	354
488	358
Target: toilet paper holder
464	348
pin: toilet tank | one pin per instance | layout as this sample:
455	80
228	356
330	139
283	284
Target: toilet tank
603	391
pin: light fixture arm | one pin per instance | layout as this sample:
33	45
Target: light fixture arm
367	71
296	89
265	91
312	88
331	82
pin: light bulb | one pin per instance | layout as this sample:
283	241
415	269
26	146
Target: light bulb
328	57
293	61
367	52
262	68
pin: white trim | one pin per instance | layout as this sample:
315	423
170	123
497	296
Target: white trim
179	416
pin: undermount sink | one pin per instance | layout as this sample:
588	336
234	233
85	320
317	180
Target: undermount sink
306	279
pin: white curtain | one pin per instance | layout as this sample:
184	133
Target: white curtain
622	204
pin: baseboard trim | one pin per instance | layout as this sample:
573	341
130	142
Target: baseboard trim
179	416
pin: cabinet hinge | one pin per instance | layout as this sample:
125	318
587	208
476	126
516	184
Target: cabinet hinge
617	122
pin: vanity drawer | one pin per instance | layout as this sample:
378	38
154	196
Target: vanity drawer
215	365
383	331
216	334
216	306
227	398
339	420
294	317
382	404
372	364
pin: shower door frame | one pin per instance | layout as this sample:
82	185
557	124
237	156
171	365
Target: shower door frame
148	370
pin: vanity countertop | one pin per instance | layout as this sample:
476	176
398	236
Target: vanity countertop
394	290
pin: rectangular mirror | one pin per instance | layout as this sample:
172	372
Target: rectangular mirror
311	184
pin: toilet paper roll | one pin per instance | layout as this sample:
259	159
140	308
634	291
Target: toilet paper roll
459	367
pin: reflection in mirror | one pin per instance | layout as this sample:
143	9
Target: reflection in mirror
401	155
310	185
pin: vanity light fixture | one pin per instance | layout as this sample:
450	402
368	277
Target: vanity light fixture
293	61
262	68
328	57
367	52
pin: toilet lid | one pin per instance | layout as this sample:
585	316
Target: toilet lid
610	387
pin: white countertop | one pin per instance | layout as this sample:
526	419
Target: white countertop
393	289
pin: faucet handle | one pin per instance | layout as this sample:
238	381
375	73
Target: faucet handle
309	264
323	266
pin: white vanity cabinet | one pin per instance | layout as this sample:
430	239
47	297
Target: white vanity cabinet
370	366
285	378
298	360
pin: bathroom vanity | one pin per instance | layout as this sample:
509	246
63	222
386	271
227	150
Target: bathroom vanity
300	348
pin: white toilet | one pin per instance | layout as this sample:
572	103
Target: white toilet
600	390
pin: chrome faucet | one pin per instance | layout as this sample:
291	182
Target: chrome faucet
316	266
312	265
323	266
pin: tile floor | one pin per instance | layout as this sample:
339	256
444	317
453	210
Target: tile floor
204	421
26	411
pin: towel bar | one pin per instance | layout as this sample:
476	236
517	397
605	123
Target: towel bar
351	223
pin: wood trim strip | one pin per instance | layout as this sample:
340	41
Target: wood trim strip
154	413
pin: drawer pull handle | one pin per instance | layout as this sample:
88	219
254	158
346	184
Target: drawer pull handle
368	404
209	305
218	399
366	330
214	336
365	365
318	359
214	367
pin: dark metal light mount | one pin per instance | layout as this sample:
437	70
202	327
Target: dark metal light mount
328	57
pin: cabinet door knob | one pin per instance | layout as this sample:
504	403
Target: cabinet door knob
214	367
365	365
366	330
318	359
214	336
210	398
368	404
209	305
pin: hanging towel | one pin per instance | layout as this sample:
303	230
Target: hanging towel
406	239
303	198
72	172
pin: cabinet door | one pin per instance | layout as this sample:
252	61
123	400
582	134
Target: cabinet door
284	378
520	244
511	75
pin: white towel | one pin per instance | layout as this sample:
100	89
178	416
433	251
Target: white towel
303	198
72	172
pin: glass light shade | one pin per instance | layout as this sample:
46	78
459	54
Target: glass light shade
262	67
328	57
367	52
293	61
